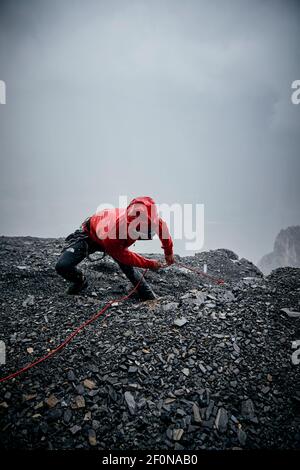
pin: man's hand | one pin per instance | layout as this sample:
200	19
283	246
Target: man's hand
169	259
157	266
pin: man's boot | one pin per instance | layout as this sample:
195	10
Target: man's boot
78	286
144	291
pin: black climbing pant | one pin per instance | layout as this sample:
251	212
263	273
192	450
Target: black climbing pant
78	246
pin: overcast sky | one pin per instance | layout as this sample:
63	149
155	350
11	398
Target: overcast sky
185	101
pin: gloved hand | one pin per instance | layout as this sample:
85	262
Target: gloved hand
170	259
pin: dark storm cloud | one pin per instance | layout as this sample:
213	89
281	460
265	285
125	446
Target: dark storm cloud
185	101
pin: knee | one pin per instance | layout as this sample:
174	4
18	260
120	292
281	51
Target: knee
62	267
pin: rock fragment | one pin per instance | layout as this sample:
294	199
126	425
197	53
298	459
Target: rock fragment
130	401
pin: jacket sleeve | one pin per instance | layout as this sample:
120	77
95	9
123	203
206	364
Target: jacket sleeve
125	256
165	237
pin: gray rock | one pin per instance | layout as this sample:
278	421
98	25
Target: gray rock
290	313
95	424
210	305
92	437
221	420
80	389
242	437
130	401
170	306
29	301
209	409
180	321
71	376
67	416
177	434
75	429
196	413
228	296
248	409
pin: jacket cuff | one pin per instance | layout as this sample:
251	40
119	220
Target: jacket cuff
152	263
168	251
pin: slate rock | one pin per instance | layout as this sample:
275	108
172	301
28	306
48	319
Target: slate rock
130	401
221	420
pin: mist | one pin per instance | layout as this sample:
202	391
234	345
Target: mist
187	102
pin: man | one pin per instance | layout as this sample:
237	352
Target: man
113	231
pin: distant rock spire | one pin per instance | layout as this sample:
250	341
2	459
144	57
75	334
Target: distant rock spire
286	251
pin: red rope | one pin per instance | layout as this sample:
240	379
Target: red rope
72	335
213	279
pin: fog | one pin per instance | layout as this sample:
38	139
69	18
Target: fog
185	101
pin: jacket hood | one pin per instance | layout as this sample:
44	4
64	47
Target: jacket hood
143	205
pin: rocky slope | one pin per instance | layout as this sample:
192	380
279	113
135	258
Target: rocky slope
286	251
204	367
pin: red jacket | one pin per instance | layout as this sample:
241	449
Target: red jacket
110	229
